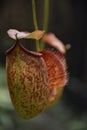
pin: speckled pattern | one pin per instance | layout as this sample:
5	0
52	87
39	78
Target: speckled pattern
28	81
57	73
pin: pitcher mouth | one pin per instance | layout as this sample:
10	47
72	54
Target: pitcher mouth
23	48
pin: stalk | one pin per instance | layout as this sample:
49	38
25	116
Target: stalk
45	20
35	23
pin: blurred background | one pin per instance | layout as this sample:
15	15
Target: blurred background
68	20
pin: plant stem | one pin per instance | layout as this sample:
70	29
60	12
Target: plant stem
34	14
45	19
46	14
35	23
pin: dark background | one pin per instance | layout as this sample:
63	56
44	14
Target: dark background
68	20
